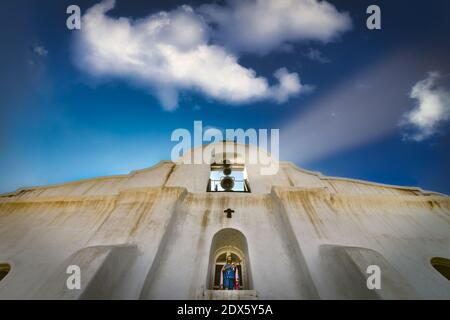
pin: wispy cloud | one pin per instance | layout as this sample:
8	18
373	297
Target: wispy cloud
40	51
432	108
260	26
316	55
348	117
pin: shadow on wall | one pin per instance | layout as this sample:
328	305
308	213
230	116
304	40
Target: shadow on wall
103	267
347	267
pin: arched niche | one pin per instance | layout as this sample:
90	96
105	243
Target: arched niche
234	242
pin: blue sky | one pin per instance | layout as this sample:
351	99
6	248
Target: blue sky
72	106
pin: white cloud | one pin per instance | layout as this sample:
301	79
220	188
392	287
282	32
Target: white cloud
289	84
260	26
432	107
171	51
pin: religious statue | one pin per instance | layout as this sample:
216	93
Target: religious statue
229	275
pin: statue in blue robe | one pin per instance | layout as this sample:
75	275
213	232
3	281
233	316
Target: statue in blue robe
229	277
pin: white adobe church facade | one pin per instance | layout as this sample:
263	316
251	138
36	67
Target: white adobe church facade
164	233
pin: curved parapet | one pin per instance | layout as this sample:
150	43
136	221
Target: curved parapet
155	176
305	178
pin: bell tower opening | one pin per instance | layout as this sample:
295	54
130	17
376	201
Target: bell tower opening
228	177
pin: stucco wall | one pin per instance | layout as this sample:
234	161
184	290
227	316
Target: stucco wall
167	220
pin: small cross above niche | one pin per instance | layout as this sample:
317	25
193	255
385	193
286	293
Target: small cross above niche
229	213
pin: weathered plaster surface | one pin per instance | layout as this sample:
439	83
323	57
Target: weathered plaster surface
148	235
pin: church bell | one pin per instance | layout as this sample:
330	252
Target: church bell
227	182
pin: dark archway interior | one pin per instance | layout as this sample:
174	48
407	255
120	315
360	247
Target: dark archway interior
4	270
442	265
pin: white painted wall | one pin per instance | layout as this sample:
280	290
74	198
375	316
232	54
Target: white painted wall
157	224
